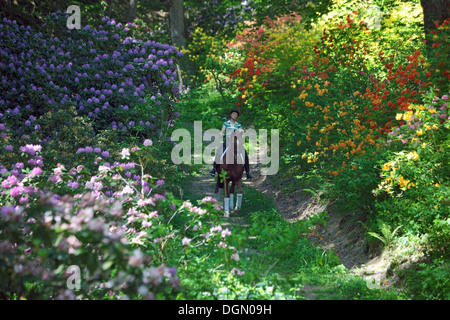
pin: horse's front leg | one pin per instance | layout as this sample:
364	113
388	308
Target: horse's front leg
233	184
226	199
239	196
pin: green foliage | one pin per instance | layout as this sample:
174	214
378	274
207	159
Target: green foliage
428	281
65	132
439	238
386	235
358	183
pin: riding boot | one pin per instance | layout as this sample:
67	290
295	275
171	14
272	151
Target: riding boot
213	171
247	166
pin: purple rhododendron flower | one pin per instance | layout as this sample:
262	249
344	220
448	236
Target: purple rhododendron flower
19	165
58	74
16	191
35	172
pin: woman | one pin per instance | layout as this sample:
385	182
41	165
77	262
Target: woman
228	127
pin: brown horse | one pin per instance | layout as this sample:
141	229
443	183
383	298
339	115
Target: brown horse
231	168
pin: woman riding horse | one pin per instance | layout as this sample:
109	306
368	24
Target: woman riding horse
231	169
228	127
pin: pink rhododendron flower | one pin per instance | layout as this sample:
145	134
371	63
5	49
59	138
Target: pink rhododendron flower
235	271
225	233
209	199
186	241
127	190
216	228
125	152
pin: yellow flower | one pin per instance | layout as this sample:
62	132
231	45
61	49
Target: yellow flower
413	155
402	182
399	116
419	132
437	185
432	110
407	116
435	127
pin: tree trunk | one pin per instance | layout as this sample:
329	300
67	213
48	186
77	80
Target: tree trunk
177	23
109	8
434	10
132	10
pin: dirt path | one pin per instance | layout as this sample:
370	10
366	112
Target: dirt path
342	233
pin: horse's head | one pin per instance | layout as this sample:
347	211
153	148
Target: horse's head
237	135
237	140
237	146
